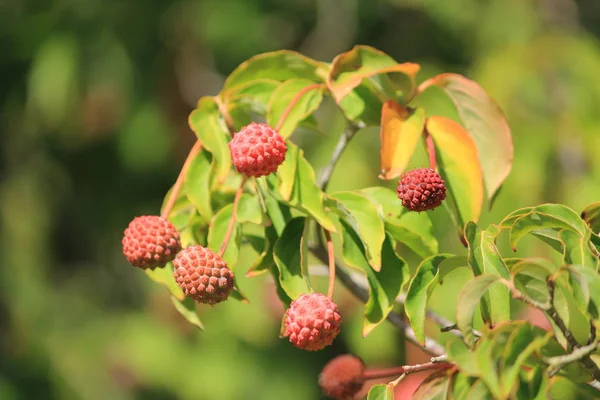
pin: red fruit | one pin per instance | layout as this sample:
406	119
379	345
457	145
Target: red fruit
312	321
342	377
257	150
202	275
150	241
421	189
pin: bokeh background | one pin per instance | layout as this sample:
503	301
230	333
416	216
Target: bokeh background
94	102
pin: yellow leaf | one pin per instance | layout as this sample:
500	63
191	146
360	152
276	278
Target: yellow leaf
459	165
400	131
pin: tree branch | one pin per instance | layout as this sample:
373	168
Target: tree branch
343	141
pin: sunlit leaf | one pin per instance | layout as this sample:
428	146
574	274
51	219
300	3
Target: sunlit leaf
287	254
164	276
485	260
278	65
197	181
381	392
249	210
187	309
363	215
468	300
484	121
412	229
264	247
304	96
400	131
459	165
420	288
384	285
206	122
348	70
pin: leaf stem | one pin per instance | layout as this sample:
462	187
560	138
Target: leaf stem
180	179
405	370
293	102
226	116
331	258
430	149
236	200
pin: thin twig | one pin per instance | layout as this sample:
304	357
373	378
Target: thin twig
236	200
343	141
405	370
586	360
226	116
293	102
331	257
180	179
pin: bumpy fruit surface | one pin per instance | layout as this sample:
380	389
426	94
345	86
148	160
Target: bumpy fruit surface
150	241
202	275
257	150
342	377
312	321
421	189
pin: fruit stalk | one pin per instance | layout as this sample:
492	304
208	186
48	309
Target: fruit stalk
236	200
180	179
331	257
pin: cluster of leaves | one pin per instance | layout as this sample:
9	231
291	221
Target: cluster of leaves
275	215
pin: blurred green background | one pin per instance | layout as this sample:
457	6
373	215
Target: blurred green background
94	102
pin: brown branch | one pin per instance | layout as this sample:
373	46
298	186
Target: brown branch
331	257
293	102
236	200
180	179
405	369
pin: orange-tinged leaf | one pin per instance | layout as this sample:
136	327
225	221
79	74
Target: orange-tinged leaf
484	121
400	131
459	165
349	69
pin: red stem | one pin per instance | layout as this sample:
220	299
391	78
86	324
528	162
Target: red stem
293	103
180	179
406	369
430	150
331	257
236	200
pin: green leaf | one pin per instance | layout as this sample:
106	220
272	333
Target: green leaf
468	299
434	387
591	215
533	385
459	166
302	95
463	357
485	259
287	254
348	70
216	236
206	122
400	132
249	210
588	281
286	173
577	249
485	123
461	384
197	181
362	105
530	276
486	363
479	391
277	65
306	195
187	309
522	343
412	229
364	217
384	286
164	276
546	216
264	247
421	287
381	392
278	213
252	96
